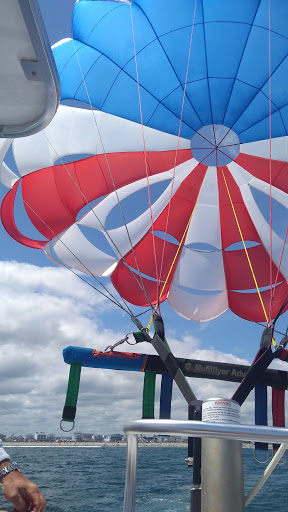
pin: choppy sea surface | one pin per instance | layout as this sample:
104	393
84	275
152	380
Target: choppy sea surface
90	479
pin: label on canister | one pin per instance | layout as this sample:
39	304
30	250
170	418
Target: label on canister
221	410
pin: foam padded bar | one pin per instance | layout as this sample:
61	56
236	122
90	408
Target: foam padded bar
92	358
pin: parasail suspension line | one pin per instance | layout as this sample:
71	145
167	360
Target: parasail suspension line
182	240
92	210
158	274
270	157
142	286
285	302
277	273
144	147
113	299
177	148
274	330
246	252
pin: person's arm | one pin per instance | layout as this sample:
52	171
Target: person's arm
22	493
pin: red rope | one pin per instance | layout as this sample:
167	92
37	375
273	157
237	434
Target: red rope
177	147
278	269
144	147
270	164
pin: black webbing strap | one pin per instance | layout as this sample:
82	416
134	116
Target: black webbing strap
162	348
253	375
261	362
283	355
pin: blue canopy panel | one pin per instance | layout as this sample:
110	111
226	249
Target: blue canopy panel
228	77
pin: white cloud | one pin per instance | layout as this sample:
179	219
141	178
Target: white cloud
44	310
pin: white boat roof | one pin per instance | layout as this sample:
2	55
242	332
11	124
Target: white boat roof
29	82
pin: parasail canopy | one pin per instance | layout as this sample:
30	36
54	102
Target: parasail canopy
191	99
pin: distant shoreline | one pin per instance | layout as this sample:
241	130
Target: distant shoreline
71	444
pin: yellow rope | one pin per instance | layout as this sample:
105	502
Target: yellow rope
182	239
244	245
245	248
150	323
179	247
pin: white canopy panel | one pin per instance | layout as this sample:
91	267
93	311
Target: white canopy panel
260	223
72	247
200	270
205	223
137	228
261	148
199	308
76	131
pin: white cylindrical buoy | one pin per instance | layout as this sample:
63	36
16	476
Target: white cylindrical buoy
222	479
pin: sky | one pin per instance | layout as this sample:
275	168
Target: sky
46	308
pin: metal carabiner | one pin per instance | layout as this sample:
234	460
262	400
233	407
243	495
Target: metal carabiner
111	347
125	339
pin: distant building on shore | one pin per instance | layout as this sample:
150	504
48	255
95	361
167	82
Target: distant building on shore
116	438
82	437
40	436
98	438
29	438
77	437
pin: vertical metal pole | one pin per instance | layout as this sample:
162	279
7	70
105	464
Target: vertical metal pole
131	466
194	450
222	478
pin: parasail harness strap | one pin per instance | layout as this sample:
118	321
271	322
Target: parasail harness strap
163	350
261	362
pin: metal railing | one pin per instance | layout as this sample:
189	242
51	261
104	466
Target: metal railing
191	429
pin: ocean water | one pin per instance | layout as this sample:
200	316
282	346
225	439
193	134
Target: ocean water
91	479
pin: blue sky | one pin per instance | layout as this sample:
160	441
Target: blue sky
46	308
